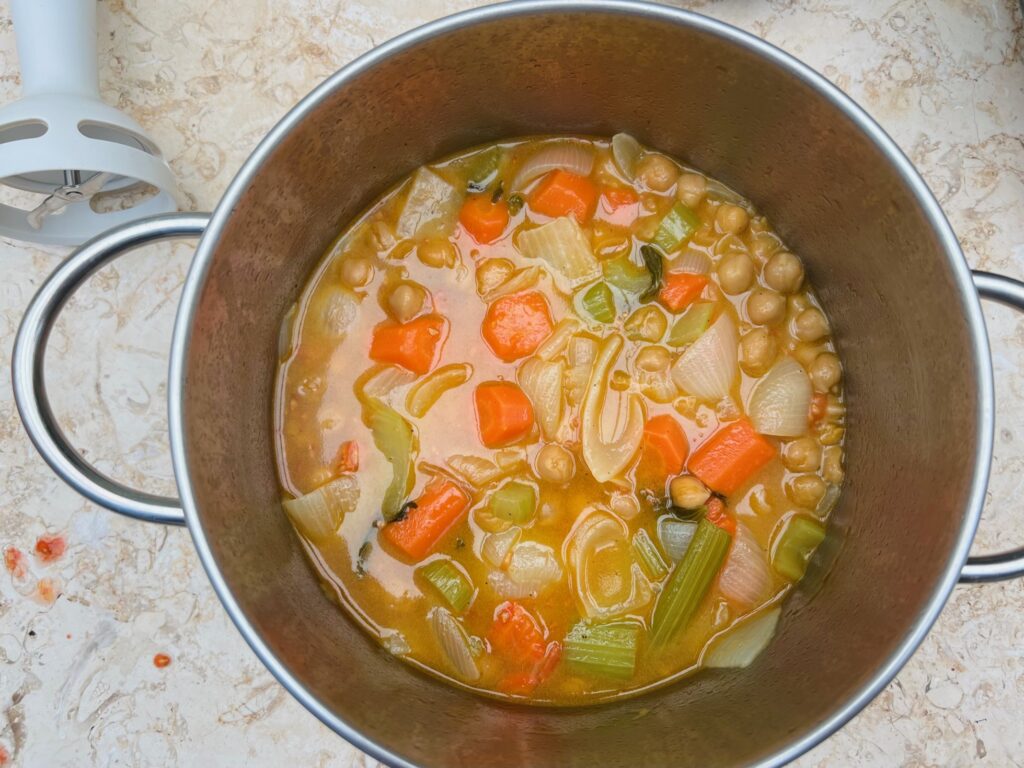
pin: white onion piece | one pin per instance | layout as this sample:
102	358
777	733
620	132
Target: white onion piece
626	152
317	515
454	642
496	546
335	309
675	535
542	383
828	501
581	353
380	381
716	190
480	472
607	456
520	280
606	579
694	262
395	642
531	569
781	400
431	206
709	366
571	156
745	579
740	645
556	343
562	244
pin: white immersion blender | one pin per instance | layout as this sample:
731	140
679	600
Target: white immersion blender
94	164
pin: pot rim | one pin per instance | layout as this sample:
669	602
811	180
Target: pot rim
970	305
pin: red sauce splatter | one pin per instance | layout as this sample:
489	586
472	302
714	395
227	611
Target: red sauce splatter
50	548
161	660
5	756
14	561
46	590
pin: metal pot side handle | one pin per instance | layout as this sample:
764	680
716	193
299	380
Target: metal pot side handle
30	349
1004	565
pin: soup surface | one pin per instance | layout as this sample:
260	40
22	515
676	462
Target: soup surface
560	419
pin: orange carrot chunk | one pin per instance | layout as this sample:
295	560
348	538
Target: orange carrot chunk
617	197
681	289
726	460
504	413
438	509
665	440
515	325
416	345
347	457
483	218
819	403
717	516
561	193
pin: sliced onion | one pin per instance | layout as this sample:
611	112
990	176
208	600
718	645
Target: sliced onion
781	400
431	207
608	456
556	343
422	397
520	280
828	501
542	383
380	381
606	579
455	643
739	646
718	191
709	366
531	569
395	642
565	248
335	309
497	546
694	262
626	152
480	472
571	156
657	385
581	353
745	579
317	515
675	535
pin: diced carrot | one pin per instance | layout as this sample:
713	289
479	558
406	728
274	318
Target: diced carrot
665	439
681	289
516	635
717	515
504	413
561	193
415	345
484	218
347	457
524	683
438	509
617	197
818	405
515	325
726	460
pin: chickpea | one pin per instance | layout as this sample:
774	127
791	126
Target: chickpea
762	246
493	272
832	466
810	325
645	226
731	218
646	324
766	307
806	491
657	172
356	272
825	372
805	353
830	434
437	253
620	381
784	272
688	492
653	359
691	189
758	350
406	301
802	455
555	464
736	273
624	505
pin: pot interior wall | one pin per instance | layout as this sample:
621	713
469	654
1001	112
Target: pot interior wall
879	269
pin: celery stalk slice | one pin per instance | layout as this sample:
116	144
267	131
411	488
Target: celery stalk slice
795	546
676	228
608	649
648	556
454	587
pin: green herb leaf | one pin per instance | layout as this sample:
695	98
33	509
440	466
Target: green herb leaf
656	266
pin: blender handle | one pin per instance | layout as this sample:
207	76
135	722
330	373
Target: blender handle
30	351
56	42
1003	565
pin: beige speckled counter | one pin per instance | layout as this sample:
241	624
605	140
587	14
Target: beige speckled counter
78	636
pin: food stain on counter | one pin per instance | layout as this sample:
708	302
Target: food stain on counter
49	548
161	660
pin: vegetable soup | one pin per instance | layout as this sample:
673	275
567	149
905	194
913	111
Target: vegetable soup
560	419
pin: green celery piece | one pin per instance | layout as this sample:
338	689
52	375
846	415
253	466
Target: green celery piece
691	325
689	582
599	303
797	543
394	437
515	502
626	275
648	556
480	168
455	588
676	228
608	649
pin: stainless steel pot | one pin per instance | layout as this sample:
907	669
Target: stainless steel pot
889	271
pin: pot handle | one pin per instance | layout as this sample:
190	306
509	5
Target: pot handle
1004	565
29	352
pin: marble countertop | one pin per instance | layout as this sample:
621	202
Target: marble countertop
207	78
